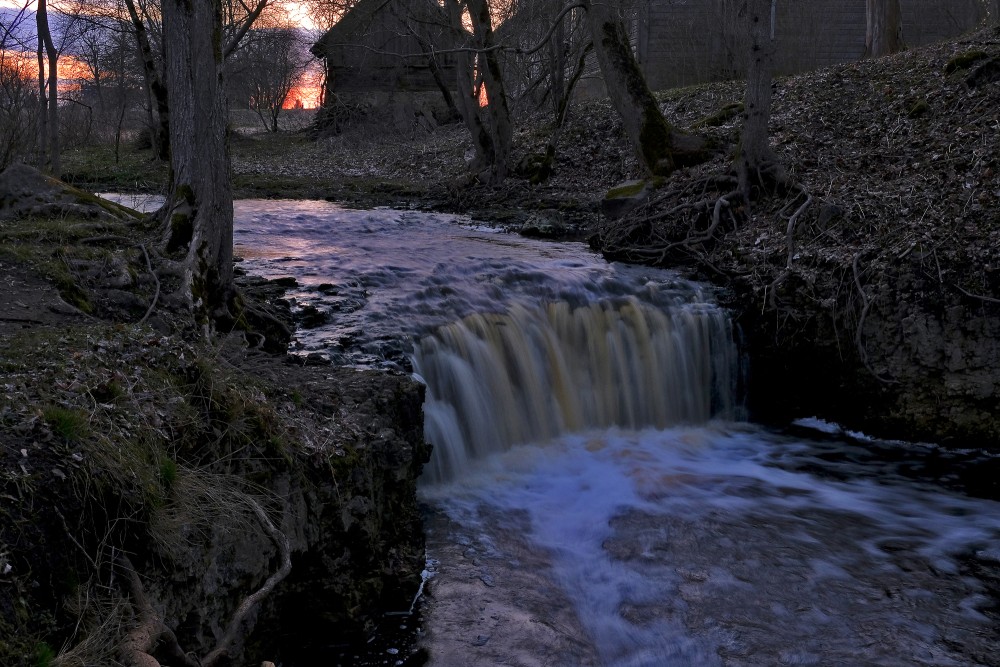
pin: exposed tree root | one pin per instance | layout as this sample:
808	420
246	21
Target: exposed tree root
670	221
235	628
151	636
156	294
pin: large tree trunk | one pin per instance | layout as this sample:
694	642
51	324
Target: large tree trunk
884	33
755	155
198	213
489	126
160	106
659	147
50	99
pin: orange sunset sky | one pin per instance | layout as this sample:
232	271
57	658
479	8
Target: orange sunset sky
306	91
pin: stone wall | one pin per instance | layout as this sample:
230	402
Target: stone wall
683	42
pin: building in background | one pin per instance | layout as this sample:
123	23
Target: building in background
394	54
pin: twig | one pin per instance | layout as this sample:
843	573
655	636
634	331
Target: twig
988	299
156	295
69	534
789	235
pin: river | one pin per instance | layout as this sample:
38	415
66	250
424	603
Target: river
596	497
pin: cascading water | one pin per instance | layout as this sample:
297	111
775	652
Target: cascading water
590	501
533	373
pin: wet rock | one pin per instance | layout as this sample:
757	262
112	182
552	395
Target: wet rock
626	196
310	317
545	225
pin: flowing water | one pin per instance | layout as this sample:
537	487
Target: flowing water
594	498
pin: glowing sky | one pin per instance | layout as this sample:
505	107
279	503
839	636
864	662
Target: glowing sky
306	90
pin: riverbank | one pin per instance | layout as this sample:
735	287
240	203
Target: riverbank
878	271
876	307
151	481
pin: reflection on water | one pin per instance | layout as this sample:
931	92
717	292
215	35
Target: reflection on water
385	277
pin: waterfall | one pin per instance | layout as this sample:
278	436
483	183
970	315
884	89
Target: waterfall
531	373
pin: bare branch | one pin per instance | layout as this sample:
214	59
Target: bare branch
241	32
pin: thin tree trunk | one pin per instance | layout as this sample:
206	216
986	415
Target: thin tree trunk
438	74
43	107
755	154
50	111
557	67
160	113
884	29
543	170
658	146
198	214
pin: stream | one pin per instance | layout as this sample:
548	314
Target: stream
596	497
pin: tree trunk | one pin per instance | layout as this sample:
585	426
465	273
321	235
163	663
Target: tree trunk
497	110
557	68
659	147
43	106
50	101
489	127
198	213
884	31
755	155
160	110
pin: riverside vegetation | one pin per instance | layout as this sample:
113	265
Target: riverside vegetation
142	463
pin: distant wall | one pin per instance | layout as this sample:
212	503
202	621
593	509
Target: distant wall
682	42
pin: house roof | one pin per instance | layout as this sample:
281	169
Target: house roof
380	21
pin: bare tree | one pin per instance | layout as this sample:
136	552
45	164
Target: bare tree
884	28
198	212
324	13
263	72
48	92
659	147
145	26
238	18
756	160
18	93
106	48
482	98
